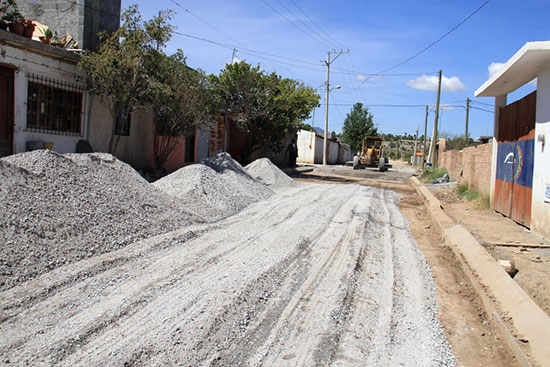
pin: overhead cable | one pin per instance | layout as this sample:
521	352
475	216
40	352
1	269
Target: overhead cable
433	43
205	22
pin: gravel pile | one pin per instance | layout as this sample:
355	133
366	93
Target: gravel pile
215	188
56	209
269	174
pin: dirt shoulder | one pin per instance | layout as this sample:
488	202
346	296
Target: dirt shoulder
494	231
474	340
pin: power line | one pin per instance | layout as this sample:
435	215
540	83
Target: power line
292	23
486	104
305	25
315	24
438	40
433	43
481	109
205	22
258	53
379	105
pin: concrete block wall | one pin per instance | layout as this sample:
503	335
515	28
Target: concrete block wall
472	165
82	19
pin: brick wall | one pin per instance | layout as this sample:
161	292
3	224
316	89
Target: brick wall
472	165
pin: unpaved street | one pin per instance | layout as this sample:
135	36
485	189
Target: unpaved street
314	275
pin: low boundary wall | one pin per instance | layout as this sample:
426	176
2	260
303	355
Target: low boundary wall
472	165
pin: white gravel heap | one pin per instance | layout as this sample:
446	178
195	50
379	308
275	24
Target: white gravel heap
215	188
269	174
56	209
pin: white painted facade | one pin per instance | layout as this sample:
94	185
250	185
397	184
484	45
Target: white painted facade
540	210
531	61
310	149
34	58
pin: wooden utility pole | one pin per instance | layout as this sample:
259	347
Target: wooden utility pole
327	63
467	117
415	146
425	137
433	152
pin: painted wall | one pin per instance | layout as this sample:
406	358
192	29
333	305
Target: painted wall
540	210
310	149
135	149
27	61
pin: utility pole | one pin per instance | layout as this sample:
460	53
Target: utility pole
415	146
433	153
467	117
425	136
327	63
233	56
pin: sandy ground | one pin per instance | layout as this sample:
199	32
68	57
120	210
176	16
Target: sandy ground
490	227
317	275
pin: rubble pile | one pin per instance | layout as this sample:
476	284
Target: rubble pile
269	174
57	209
215	188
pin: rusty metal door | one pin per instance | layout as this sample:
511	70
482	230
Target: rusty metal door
6	111
515	157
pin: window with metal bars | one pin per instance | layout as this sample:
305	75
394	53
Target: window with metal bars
53	110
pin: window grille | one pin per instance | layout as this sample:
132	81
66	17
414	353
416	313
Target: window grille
54	106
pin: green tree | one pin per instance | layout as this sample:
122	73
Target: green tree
358	124
180	98
266	106
117	70
130	69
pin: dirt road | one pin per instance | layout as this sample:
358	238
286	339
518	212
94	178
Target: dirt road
315	275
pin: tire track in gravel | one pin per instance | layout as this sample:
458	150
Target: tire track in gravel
307	277
83	333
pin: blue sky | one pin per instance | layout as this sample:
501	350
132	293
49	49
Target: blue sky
379	35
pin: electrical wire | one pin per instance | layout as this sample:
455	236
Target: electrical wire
205	22
305	25
486	104
315	24
291	22
433	43
258	53
481	109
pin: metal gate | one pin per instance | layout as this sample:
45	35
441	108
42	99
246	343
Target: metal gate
6	111
514	176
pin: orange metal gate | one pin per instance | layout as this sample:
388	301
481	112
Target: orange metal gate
514	176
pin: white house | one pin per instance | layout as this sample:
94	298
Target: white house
43	95
520	181
44	104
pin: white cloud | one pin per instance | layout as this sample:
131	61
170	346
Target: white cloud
429	82
444	107
494	68
360	77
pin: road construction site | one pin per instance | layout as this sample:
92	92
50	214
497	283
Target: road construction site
277	273
218	264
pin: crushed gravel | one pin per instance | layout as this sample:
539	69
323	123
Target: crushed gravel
215	188
56	209
269	174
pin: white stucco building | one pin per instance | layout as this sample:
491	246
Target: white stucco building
520	184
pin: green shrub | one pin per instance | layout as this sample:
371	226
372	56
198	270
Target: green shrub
431	173
464	190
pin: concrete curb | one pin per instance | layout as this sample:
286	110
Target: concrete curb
495	287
